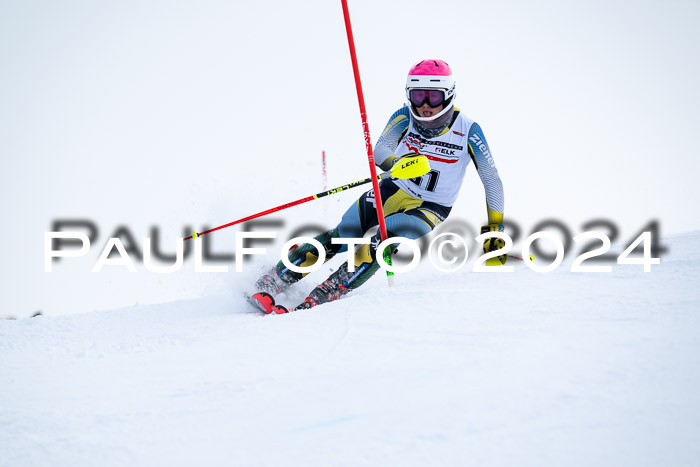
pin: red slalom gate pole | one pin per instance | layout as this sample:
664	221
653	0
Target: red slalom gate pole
365	129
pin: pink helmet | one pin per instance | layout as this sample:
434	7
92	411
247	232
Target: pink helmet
431	75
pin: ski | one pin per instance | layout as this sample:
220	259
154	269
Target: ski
265	302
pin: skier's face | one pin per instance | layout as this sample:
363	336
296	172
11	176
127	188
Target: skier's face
426	111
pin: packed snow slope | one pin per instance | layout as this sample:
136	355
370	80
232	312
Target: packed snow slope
466	368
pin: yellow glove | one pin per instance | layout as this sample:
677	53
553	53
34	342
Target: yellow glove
493	244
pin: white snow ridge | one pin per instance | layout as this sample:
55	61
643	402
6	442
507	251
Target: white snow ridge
468	369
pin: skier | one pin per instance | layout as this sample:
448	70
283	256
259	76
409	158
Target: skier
428	124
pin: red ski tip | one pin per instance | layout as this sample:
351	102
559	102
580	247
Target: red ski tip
264	301
279	309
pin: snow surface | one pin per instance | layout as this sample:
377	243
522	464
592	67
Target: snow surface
475	369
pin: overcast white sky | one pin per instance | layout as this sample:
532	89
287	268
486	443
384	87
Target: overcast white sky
169	113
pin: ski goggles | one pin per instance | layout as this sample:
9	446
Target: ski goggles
434	97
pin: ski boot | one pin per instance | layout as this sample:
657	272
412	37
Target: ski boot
271	284
331	289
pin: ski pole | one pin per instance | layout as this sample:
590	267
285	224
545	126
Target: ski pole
532	257
406	167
